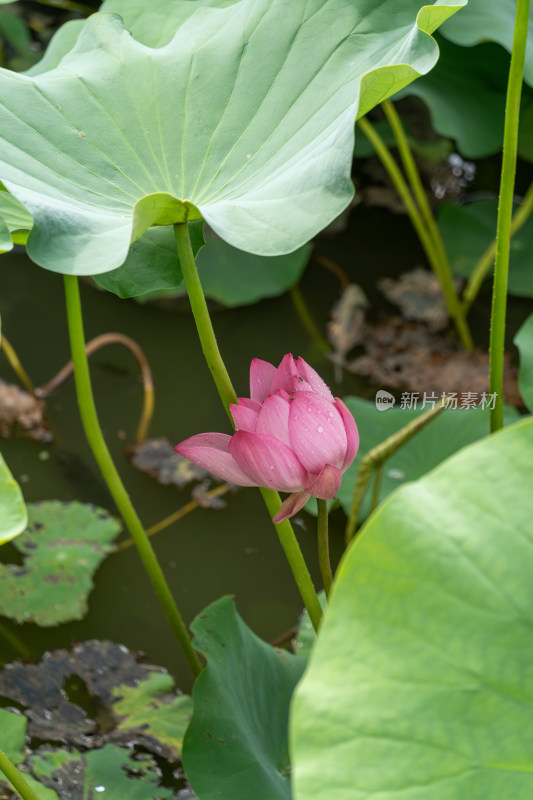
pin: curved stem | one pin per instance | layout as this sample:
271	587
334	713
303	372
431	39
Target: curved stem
15	364
146	373
486	261
505	210
323	546
16	779
227	394
445	278
110	474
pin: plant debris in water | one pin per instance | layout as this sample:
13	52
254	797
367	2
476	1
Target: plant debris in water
158	459
21	414
419	297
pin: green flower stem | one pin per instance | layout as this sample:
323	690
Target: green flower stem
103	458
452	301
294	556
375	459
203	320
227	394
16	779
417	187
505	210
323	545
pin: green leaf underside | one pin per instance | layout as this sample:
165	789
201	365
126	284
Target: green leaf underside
63	545
116	772
254	131
453	429
236	745
468	230
146	707
421	681
490	21
13	512
12	735
524	341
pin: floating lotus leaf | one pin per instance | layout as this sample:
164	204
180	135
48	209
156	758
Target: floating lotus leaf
420	685
63	545
245	118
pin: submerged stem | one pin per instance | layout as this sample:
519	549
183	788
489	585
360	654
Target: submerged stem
228	395
110	474
505	210
16	779
323	545
430	248
146	373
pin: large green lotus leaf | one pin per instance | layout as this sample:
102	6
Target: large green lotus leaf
62	546
524	341
13	512
493	21
420	685
13	734
441	438
146	707
465	94
468	230
153	23
236	744
110	771
254	131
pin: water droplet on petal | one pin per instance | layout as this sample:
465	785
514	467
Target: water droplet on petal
272	466
320	429
99	788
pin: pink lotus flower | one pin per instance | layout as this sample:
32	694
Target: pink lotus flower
291	435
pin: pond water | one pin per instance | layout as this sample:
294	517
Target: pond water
209	553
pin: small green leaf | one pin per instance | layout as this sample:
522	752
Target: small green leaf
151	708
236	744
13	512
110	772
13	735
63	545
420	685
469	229
84	144
524	341
452	430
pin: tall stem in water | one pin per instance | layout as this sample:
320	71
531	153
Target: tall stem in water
110	474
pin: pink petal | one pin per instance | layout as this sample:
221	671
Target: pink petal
274	417
268	461
210	451
327	484
352	434
313	379
248	403
317	432
245	419
261	376
291	506
286	376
